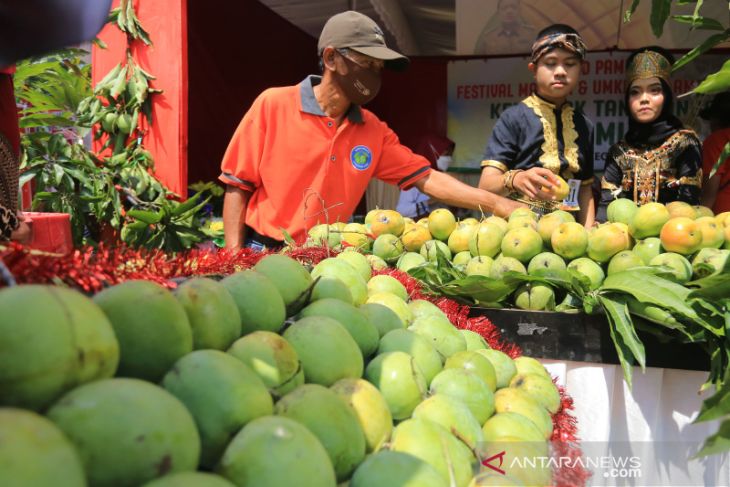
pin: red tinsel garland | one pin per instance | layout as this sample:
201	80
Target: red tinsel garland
92	269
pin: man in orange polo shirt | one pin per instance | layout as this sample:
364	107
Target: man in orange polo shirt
304	154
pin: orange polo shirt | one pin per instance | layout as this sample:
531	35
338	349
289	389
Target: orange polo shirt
302	169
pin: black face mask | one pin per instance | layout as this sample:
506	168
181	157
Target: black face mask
360	84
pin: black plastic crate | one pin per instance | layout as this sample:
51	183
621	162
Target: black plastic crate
584	338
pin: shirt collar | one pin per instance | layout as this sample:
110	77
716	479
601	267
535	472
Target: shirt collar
543	101
310	105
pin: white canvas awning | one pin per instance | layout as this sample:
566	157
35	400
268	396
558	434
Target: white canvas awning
455	27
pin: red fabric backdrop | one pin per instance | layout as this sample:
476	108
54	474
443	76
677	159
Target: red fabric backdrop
167	60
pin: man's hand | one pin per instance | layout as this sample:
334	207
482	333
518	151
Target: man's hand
23	234
532	181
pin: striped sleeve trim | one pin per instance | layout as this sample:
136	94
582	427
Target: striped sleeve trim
234	181
413	177
496	164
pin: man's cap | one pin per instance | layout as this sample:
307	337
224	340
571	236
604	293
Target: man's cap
360	33
719	107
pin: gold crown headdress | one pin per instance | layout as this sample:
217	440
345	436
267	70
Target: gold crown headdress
648	64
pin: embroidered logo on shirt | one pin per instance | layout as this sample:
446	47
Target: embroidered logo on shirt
361	157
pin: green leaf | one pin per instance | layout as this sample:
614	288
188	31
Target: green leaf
706	45
569	280
717	443
287	237
187	205
696	13
26	177
709	316
717	405
148	217
45	120
471	288
614	311
716	286
590	303
705	23
619	313
99	43
648	288
660	10
725	155
631	10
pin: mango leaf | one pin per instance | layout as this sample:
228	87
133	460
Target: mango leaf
624	325
571	303
705	23
713	287
706	45
590	303
569	280
649	328
717	405
45	120
717	367
649	288
659	14
696	13
187	205
631	10
717	443
138	225
148	217
710	316
26	177
616	312
287	237
725	155
479	288
439	273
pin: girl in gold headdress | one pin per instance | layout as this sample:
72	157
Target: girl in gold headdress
658	159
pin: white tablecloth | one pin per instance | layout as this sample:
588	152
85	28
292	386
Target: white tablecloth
654	419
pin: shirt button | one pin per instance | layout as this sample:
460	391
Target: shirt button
333	158
329	124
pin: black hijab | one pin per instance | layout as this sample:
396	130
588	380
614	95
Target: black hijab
666	124
657	131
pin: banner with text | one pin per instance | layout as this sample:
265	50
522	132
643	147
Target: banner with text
480	89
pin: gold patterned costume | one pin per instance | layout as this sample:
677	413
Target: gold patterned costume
8	189
537	133
669	172
657	161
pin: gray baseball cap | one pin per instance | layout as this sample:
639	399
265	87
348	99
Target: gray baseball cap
360	33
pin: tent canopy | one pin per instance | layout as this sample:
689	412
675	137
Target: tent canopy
501	27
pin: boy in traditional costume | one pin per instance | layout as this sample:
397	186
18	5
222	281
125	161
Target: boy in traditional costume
543	136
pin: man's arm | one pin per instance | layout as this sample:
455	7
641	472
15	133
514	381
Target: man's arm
451	191
587	213
235	203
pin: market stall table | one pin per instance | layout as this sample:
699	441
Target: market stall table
652	420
